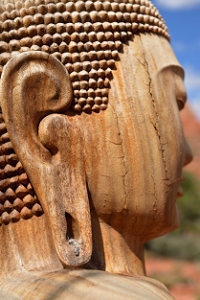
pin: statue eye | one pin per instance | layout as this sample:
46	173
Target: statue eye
181	96
180	104
180	91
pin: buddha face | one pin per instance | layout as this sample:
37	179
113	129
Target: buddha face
116	151
135	160
122	165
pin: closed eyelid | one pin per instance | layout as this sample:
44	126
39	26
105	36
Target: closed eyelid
181	94
181	103
178	75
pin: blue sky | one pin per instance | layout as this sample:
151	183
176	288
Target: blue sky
183	20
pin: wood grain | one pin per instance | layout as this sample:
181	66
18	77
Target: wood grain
91	147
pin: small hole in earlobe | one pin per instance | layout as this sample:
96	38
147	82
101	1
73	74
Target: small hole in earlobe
72	228
72	234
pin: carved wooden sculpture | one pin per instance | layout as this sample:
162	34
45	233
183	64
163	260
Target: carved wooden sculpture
92	147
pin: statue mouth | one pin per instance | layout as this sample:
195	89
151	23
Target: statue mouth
180	192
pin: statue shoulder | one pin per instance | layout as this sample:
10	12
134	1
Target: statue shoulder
80	284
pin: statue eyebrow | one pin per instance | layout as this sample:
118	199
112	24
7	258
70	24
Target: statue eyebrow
177	69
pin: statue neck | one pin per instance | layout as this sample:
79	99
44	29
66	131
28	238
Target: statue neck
116	252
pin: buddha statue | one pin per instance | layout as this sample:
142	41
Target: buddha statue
92	147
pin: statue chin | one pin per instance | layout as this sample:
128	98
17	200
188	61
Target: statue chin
92	147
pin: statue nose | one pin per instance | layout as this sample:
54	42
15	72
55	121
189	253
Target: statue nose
188	153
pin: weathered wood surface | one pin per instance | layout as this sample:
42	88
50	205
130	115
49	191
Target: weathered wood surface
88	177
80	284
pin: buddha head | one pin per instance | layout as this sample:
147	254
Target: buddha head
90	98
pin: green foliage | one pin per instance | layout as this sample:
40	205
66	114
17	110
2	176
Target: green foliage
184	243
189	205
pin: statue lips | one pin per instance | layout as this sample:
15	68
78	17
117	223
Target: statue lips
180	192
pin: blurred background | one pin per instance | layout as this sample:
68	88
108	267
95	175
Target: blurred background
175	258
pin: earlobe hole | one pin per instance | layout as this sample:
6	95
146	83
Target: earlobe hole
72	228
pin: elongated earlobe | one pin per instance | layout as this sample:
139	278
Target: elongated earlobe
35	94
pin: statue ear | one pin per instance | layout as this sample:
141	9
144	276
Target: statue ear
35	93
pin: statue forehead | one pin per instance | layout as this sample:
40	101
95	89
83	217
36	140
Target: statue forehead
86	36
